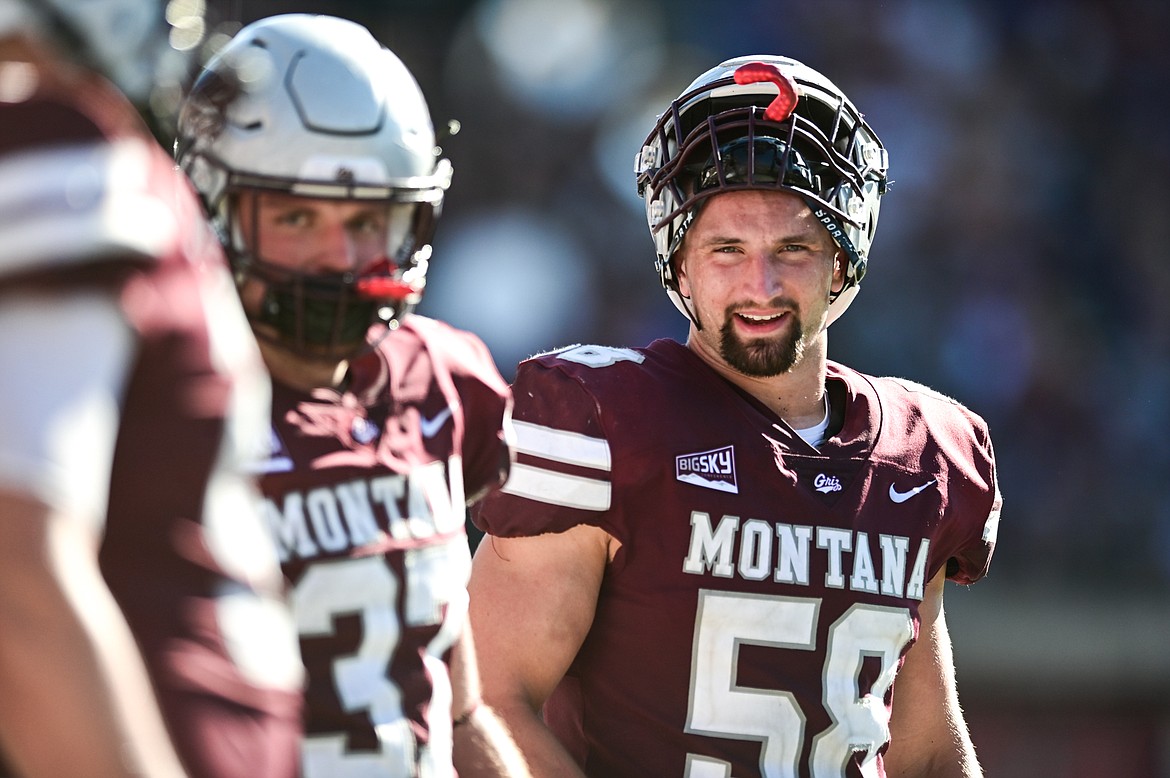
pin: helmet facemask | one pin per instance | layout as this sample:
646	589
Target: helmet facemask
330	315
732	130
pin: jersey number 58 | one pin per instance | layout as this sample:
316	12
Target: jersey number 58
719	707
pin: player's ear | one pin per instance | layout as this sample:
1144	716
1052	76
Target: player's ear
680	273
838	284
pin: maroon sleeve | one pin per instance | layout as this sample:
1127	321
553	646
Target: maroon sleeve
485	403
976	520
958	441
562	474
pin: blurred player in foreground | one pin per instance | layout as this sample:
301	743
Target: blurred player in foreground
142	632
315	154
727	558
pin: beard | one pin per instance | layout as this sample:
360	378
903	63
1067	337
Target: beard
762	357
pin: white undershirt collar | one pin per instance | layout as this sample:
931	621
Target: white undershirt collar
815	435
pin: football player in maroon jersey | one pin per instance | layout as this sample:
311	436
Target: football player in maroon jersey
315	154
727	558
142	630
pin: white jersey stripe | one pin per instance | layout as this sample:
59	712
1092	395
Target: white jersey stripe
572	491
65	205
560	446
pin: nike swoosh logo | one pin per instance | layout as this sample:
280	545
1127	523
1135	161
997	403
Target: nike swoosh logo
900	497
430	427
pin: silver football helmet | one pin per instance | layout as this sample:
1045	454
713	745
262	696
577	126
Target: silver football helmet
764	122
144	46
314	106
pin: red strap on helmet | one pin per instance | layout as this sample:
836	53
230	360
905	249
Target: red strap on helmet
785	103
384	288
378	283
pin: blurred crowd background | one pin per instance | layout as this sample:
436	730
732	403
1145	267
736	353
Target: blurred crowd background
1021	266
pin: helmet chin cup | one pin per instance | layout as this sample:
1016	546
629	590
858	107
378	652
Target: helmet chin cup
764	122
317	315
327	315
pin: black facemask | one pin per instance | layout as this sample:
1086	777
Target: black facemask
319	311
763	160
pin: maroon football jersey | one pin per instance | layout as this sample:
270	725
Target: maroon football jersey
365	493
91	202
754	619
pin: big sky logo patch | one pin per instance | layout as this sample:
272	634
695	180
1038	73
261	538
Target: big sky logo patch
714	469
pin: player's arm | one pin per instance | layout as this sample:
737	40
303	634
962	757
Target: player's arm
928	735
75	699
532	603
483	746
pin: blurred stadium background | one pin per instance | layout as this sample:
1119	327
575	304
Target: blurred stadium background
1022	266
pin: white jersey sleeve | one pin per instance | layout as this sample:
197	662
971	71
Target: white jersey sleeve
60	396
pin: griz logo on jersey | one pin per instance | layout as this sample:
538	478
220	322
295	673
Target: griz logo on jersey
332	518
755	550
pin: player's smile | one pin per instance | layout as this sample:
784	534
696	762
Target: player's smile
761	324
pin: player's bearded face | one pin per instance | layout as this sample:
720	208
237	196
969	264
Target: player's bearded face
757	268
766	356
